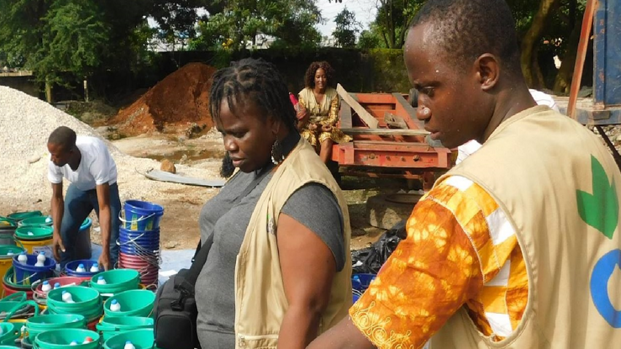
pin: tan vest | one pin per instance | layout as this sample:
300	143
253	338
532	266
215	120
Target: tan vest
260	301
540	166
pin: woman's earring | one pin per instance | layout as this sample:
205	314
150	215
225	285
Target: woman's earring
277	155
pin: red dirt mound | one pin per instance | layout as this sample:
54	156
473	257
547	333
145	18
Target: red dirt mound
181	98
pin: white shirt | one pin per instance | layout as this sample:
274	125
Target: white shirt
470	147
96	166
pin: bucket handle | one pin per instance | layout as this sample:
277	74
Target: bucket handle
141	218
15	297
26	278
20	306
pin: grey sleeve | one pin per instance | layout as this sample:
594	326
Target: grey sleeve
314	206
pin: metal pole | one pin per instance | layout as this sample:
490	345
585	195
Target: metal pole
585	36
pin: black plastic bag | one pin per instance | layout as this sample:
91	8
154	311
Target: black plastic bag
371	259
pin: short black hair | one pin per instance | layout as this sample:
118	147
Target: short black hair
309	77
466	29
255	81
63	136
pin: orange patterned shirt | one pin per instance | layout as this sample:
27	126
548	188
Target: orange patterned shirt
461	250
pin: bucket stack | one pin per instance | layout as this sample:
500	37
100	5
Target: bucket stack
139	239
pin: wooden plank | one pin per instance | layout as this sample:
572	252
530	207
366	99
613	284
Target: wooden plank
384	132
345	116
410	111
367	118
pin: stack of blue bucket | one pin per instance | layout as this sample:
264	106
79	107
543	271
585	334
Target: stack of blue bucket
139	239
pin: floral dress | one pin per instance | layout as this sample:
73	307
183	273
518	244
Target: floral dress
321	114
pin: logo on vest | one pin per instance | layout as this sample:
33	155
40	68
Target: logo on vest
600	210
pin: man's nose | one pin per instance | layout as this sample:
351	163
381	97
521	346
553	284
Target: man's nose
422	112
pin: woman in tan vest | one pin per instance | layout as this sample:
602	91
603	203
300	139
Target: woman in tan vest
278	270
318	110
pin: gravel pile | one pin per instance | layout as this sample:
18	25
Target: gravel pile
26	123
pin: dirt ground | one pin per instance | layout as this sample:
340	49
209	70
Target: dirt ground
179	227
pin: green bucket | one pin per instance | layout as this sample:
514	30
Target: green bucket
18	216
61	339
117	280
6	249
42	323
10	332
12	309
111	326
6	222
36	221
20	296
29	232
87	302
133	303
141	339
8	281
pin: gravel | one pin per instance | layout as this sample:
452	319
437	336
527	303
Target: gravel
26	123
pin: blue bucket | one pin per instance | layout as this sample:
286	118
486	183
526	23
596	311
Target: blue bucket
141	215
136	242
27	274
70	268
360	282
137	251
142	241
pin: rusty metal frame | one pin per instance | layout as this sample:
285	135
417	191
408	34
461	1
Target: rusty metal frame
604	17
394	155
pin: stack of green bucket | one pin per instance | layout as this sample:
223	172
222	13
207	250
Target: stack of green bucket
132	303
141	339
111	326
116	281
10	333
42	323
39	221
86	302
67	339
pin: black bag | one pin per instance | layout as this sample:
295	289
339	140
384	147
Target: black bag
175	306
371	259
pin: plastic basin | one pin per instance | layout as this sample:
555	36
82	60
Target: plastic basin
133	303
141	339
111	326
117	280
61	339
41	323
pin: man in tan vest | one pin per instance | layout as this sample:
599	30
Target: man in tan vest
518	246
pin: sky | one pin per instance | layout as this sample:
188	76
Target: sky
363	9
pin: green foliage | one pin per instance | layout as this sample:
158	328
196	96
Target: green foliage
389	70
251	23
392	20
371	38
346	28
176	20
73	40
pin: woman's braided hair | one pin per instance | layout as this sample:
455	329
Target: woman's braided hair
252	81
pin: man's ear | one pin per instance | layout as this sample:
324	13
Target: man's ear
488	71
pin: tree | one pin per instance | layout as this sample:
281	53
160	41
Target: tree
244	23
66	37
390	26
176	20
346	28
530	41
